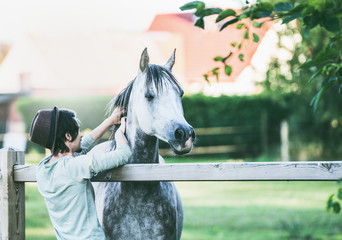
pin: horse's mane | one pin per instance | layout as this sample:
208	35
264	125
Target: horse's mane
156	75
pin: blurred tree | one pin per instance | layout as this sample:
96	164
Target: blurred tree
317	60
324	58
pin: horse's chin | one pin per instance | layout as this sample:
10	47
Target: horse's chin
182	151
181	148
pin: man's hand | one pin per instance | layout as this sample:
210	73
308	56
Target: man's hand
115	117
120	137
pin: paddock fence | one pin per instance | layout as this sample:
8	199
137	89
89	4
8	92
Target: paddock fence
14	173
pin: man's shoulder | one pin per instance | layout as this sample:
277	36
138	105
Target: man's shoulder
44	161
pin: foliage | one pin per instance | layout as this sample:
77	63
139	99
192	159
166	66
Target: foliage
253	118
333	203
327	14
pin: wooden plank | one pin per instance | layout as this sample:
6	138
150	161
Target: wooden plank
12	196
241	171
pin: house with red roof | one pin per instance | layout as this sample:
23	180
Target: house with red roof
201	46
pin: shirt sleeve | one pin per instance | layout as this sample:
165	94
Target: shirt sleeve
87	144
86	166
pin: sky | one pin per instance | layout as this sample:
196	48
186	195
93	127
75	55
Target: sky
47	16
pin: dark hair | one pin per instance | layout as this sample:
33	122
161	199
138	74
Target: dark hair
67	123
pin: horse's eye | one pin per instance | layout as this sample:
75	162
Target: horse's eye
149	96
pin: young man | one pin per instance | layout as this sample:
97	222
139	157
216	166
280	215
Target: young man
63	177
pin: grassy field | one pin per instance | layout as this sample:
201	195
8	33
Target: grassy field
233	210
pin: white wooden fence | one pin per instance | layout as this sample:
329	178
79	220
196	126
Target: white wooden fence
14	174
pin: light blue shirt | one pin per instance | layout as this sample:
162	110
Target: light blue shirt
68	192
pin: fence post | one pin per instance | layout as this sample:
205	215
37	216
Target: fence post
284	136
12	196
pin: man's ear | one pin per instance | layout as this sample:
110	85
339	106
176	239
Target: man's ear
68	137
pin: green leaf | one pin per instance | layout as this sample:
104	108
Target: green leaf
339	181
206	77
218	59
315	100
339	193
207	12
255	38
261	10
246	34
193	5
331	23
200	23
240	25
336	207
307	10
228	70
241	57
229	23
299	8
230	54
291	17
257	25
330	202
234	44
283	7
216	73
314	75
310	22
307	64
224	14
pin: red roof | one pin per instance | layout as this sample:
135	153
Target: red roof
201	46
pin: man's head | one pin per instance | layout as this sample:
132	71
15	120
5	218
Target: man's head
68	135
57	130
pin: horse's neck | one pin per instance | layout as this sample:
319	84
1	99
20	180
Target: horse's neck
144	147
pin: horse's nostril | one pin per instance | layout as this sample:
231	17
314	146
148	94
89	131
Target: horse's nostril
179	133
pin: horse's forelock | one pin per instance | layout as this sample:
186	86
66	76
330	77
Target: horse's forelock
159	76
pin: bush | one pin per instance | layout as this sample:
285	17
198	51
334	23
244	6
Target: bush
259	117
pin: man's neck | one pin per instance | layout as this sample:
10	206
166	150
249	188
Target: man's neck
59	155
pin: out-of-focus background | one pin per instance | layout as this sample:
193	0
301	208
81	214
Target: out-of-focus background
80	54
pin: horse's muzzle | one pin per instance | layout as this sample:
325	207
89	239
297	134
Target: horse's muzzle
183	139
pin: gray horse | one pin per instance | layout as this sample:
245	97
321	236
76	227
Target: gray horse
146	210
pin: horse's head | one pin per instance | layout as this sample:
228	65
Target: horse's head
156	106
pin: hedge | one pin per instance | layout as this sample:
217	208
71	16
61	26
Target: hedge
312	134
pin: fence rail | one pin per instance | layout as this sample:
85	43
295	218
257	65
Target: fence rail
239	171
14	174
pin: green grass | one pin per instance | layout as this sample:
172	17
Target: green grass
258	210
233	210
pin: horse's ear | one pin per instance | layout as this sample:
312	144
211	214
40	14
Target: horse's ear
144	60
169	64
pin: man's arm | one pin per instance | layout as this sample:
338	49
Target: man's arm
115	118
